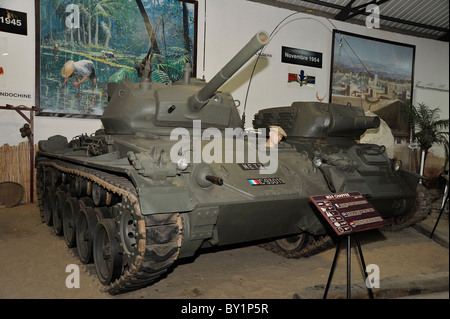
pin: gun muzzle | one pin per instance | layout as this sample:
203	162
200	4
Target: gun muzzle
214	179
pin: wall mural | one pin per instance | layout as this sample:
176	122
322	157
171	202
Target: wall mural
377	75
84	44
374	74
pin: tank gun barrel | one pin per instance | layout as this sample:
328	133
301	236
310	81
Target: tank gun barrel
355	123
199	99
367	122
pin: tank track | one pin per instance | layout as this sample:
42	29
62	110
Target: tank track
315	245
158	237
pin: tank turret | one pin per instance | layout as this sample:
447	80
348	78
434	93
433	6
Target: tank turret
318	120
157	108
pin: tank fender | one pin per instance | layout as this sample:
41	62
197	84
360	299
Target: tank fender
199	229
161	196
165	199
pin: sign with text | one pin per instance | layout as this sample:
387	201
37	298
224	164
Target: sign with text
347	212
301	57
13	21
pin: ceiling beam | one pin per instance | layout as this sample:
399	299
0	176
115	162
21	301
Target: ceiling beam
445	37
345	12
318	12
361	9
357	11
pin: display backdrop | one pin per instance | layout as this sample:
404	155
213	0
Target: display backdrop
375	74
115	37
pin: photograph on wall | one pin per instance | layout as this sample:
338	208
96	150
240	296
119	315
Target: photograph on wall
85	44
374	74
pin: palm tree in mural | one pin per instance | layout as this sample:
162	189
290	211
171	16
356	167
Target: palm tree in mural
100	20
107	10
427	129
169	65
58	9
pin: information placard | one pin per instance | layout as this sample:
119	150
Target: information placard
348	212
13	21
301	57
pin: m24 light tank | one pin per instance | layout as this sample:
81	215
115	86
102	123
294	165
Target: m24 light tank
142	192
132	199
327	135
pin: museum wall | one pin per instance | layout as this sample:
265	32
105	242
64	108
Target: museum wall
229	25
269	87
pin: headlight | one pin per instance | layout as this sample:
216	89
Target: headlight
396	164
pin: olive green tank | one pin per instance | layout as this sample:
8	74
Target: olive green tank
172	172
328	135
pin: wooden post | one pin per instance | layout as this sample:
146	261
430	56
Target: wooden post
31	138
30	121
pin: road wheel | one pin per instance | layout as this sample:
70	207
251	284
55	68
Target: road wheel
108	261
293	244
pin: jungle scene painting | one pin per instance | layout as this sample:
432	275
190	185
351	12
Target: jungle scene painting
85	44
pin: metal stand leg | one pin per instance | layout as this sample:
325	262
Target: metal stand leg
445	199
333	266
349	265
363	264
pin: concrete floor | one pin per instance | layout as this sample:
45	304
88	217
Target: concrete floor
33	265
438	224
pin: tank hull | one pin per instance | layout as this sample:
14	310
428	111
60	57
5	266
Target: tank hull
156	216
172	172
330	133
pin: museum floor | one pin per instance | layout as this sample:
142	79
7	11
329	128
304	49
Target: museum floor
33	265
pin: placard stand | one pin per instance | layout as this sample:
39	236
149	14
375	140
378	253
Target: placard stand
347	214
333	266
444	200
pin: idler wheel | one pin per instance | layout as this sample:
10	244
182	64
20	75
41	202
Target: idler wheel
71	211
87	220
128	231
108	261
49	195
293	244
58	202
